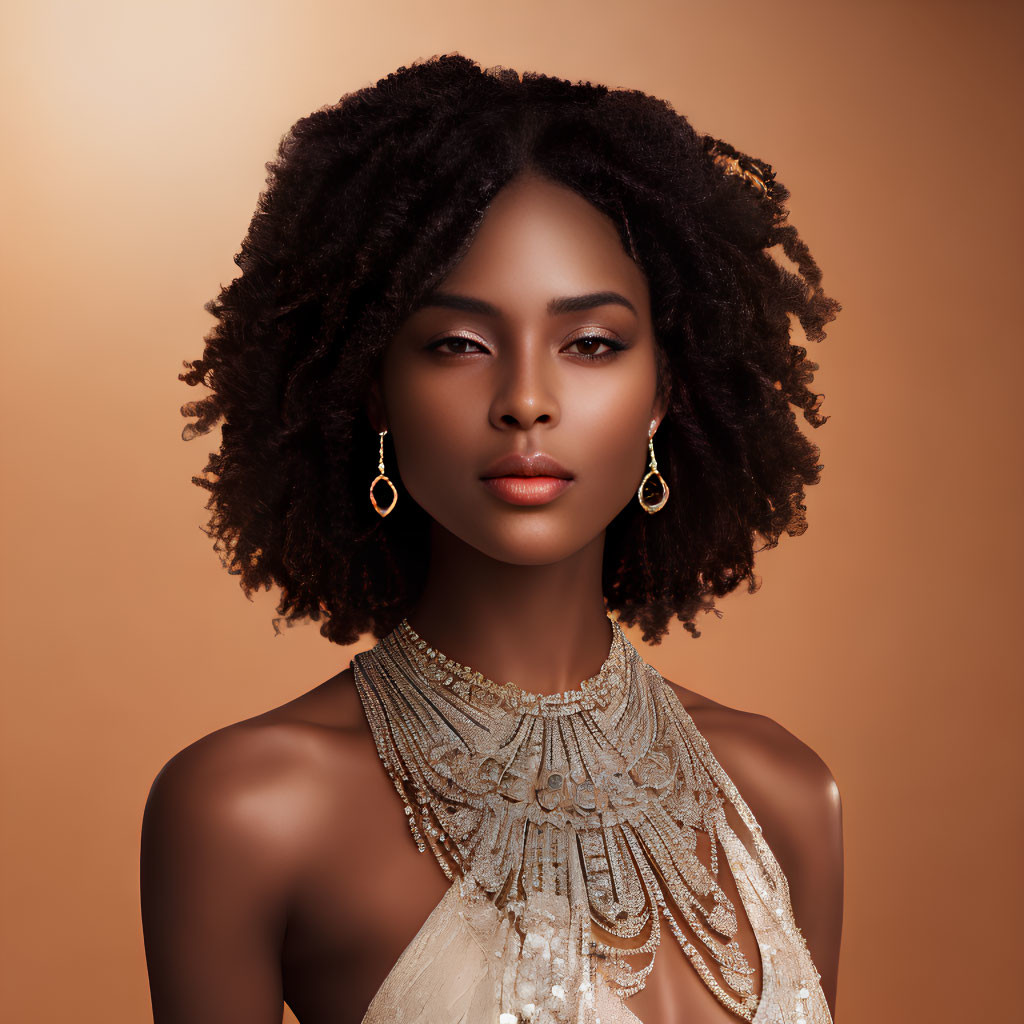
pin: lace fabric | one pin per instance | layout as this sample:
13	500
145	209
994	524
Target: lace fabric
568	827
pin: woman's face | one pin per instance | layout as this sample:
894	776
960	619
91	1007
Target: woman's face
491	367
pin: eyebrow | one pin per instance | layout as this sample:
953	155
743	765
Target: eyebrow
566	304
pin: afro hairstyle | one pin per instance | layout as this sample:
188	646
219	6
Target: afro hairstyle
369	204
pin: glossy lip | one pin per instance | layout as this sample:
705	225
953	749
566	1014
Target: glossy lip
527	490
516	465
526	479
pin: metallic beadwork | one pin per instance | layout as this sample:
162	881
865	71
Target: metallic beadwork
510	786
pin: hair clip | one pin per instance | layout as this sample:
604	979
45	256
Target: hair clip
731	161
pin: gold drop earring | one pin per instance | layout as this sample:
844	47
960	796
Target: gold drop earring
381	477
653	491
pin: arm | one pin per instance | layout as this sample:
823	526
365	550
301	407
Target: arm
216	865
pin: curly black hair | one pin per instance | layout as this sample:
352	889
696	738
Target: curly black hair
369	204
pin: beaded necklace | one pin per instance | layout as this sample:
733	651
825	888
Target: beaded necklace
576	813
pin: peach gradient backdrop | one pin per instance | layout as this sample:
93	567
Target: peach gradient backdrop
887	637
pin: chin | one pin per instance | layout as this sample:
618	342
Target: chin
530	538
524	534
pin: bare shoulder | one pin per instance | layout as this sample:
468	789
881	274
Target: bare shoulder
795	799
787	785
265	782
233	824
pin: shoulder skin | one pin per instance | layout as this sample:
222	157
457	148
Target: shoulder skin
229	823
795	799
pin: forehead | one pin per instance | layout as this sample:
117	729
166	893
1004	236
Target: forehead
538	239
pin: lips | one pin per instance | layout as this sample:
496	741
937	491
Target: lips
538	464
527	479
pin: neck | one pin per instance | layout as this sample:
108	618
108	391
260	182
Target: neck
544	627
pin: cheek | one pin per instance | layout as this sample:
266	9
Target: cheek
613	419
433	442
615	458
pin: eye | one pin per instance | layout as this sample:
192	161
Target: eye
589	341
461	345
588	346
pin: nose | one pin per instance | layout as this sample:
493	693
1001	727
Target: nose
525	388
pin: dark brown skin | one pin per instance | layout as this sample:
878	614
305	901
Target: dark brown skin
276	859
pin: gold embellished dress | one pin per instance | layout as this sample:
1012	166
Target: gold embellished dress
568	826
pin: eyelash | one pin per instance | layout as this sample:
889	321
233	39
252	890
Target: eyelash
613	345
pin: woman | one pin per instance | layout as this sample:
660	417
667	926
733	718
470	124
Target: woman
471	307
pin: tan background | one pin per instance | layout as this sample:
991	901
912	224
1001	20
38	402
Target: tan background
887	636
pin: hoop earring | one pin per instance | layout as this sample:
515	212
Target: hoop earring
377	479
652	493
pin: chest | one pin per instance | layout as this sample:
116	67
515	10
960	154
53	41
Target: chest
366	893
